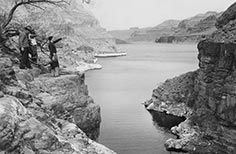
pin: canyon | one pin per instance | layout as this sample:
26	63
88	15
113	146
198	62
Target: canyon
43	114
205	97
188	30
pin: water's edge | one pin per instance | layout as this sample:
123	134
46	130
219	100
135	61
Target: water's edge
123	85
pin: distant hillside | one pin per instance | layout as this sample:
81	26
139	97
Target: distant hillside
71	21
150	34
187	30
122	34
167	24
145	34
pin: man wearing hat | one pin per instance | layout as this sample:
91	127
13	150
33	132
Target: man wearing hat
25	48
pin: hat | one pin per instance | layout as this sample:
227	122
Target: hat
29	28
50	38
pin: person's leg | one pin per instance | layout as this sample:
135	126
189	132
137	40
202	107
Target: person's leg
57	71
34	54
23	60
30	52
53	72
28	64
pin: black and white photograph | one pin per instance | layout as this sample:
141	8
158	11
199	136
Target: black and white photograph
117	77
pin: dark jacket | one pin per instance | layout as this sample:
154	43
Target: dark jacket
53	55
23	39
52	49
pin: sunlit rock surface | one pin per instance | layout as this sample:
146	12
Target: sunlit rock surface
67	97
21	132
44	114
71	21
205	97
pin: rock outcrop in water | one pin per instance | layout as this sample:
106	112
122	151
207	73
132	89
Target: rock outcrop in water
43	114
206	97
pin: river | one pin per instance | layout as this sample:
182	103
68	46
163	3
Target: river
126	82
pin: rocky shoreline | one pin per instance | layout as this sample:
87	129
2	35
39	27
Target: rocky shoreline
44	114
205	97
41	114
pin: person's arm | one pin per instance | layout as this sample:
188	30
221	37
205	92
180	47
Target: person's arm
54	42
21	39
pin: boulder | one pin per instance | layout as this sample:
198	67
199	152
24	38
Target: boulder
22	133
12	113
88	118
7	75
227	16
67	98
1	94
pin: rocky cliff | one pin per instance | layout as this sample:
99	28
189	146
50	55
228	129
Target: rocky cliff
71	21
192	29
146	34
173	31
42	114
206	97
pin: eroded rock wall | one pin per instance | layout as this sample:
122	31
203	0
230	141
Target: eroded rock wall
206	97
71	21
44	114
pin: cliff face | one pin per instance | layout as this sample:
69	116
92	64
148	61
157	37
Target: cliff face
43	114
205	97
192	29
146	34
150	34
188	24
71	21
173	31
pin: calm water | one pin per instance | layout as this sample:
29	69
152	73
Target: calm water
126	82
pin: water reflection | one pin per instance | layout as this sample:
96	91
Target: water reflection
126	126
165	121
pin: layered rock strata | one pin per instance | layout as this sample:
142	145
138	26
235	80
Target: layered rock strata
71	21
173	31
40	114
206	97
43	114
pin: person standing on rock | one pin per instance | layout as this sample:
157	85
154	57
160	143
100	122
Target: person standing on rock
33	46
53	56
25	48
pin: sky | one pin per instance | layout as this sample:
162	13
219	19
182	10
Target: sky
123	14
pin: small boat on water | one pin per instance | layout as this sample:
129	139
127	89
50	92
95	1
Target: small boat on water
107	54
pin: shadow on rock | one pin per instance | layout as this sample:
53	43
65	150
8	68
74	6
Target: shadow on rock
93	133
165	120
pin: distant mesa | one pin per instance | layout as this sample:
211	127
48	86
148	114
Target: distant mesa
173	31
134	28
119	41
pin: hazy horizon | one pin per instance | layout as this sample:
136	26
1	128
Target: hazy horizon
123	14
